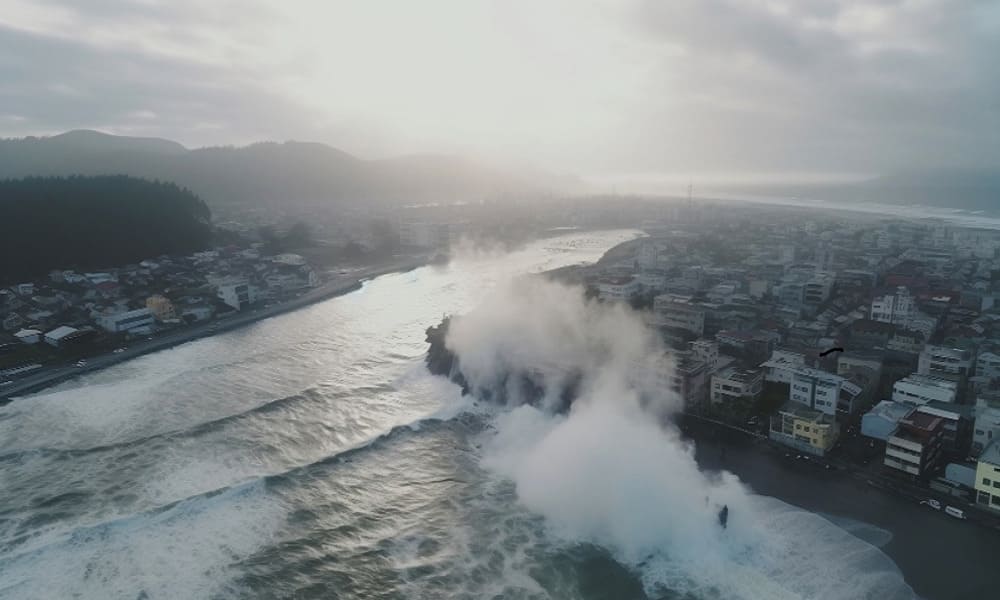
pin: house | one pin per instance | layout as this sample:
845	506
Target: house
988	477
915	448
988	365
920	389
883	419
28	336
804	429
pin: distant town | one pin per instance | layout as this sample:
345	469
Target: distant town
852	341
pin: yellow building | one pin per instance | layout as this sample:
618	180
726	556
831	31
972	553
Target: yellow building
162	308
988	477
804	429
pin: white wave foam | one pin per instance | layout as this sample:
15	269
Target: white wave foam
187	551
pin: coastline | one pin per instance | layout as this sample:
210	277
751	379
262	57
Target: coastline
918	532
338	286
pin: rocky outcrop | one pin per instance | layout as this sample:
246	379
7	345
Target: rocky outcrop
512	388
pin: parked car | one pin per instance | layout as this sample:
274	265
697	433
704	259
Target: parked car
951	511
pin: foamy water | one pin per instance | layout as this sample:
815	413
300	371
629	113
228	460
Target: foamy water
311	455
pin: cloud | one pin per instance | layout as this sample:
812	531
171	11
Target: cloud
601	86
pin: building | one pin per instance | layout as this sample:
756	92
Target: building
956	425
60	335
915	448
294	260
688	379
985	429
782	365
161	307
822	391
28	336
897	308
732	383
920	389
988	365
670	312
883	420
942	361
707	351
618	289
855	361
138	321
237	293
988	477
804	429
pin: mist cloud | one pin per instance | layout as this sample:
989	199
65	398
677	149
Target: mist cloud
612	471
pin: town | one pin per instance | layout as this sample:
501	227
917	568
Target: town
851	340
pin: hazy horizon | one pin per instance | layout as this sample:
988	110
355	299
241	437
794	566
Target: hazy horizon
818	89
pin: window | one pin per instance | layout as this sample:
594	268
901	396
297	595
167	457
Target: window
986	480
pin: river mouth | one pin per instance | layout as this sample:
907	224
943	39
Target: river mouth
310	455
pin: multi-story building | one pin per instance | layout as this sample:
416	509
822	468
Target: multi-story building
782	365
920	389
707	351
897	308
688	379
956	425
988	365
238	293
828	393
804	429
138	321
670	312
915	448
161	307
988	477
733	383
618	289
985	429
942	361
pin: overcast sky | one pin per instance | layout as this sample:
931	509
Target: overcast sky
591	87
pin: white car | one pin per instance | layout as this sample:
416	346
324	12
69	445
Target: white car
931	503
118	350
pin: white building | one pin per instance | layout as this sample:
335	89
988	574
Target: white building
681	315
237	293
896	308
618	289
732	384
782	364
988	365
920	389
986	428
944	361
289	259
822	391
139	320
707	351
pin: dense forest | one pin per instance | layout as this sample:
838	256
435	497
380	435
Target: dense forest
85	222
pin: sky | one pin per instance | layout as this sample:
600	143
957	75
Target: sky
644	88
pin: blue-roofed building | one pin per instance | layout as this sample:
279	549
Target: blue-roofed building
883	419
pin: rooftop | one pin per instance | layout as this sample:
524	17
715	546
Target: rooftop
891	411
991	454
801	411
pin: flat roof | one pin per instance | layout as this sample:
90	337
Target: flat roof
991	454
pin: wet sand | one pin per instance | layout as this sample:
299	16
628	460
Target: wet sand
942	558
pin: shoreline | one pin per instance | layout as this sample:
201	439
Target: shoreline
836	494
337	286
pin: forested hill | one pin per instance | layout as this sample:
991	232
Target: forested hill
86	222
